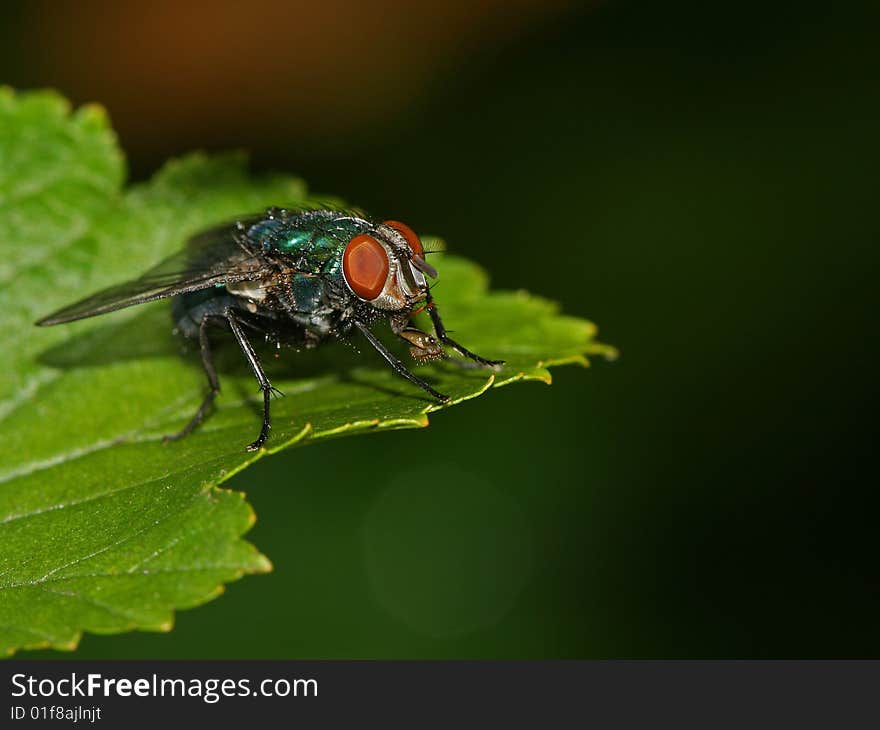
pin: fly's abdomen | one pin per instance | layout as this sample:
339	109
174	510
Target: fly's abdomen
189	309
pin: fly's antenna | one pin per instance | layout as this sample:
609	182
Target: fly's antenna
424	266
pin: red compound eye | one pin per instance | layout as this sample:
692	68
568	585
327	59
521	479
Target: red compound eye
365	266
410	235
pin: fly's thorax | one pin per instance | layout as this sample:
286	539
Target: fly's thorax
311	241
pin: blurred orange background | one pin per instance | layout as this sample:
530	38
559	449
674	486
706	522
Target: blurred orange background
200	74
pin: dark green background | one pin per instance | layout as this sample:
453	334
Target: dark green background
699	179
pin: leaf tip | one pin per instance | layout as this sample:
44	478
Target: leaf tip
262	564
420	420
609	352
251	518
95	116
71	644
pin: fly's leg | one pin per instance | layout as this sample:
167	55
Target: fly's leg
422	346
396	365
425	348
259	374
447	340
213	381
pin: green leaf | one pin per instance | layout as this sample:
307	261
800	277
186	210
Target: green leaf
103	527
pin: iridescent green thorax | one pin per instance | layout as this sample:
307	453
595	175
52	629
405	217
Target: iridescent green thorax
315	240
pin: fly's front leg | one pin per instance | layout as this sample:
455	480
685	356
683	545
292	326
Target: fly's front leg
213	381
422	346
259	374
395	364
447	340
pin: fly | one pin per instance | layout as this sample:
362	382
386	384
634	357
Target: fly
293	277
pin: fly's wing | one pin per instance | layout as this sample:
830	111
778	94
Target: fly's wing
210	258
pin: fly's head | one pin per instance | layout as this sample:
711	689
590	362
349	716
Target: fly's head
386	268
